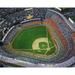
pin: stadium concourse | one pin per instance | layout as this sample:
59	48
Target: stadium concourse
36	37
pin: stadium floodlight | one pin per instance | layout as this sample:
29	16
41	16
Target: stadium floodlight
71	20
28	9
58	8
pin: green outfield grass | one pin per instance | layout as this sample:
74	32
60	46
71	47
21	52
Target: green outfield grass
23	41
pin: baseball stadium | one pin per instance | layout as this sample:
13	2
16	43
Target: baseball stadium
41	37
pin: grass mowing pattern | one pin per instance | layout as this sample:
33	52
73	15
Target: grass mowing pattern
23	41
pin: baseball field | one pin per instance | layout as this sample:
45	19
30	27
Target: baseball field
34	39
